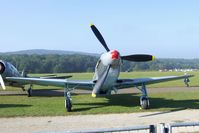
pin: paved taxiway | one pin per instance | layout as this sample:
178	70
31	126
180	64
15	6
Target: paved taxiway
82	122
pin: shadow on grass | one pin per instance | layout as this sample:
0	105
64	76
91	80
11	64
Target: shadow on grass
128	100
49	93
55	92
133	100
157	103
14	105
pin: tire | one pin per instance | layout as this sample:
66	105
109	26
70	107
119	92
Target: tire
144	103
68	105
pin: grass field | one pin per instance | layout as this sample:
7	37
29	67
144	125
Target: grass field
84	104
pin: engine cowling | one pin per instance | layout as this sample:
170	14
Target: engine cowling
8	70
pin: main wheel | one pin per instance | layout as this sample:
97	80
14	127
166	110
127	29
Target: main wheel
68	105
144	102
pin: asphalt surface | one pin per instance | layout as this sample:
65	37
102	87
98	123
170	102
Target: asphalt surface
90	122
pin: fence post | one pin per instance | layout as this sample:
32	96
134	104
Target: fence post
169	127
163	128
151	129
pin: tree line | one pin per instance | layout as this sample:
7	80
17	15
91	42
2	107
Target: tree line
86	63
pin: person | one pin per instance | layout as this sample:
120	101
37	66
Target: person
186	81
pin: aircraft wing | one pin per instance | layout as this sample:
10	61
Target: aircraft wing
120	84
52	82
126	83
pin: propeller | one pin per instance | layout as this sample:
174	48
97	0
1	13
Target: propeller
100	82
135	58
2	83
2	69
138	57
99	36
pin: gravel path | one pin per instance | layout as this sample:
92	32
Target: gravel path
83	122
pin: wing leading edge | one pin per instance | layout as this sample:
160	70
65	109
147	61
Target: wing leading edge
126	83
52	82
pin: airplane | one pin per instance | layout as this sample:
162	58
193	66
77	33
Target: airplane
105	79
8	70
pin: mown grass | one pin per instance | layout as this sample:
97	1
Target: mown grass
84	104
11	106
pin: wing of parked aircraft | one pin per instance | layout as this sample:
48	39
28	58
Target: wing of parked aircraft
81	84
126	83
52	82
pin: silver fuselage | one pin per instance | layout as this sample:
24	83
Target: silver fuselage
112	76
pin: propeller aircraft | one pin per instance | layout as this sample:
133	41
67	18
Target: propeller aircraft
105	79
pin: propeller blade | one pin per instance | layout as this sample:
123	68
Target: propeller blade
99	36
2	83
138	57
100	82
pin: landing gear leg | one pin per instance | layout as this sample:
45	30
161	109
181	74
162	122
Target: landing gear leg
68	100
144	100
29	91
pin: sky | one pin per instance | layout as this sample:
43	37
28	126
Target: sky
166	29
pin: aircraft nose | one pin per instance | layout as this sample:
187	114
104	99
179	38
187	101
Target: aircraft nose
115	54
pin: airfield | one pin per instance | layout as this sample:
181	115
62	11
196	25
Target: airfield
45	111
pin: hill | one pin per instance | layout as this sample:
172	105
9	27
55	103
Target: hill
46	52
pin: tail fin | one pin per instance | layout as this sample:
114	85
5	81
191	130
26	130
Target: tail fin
23	73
